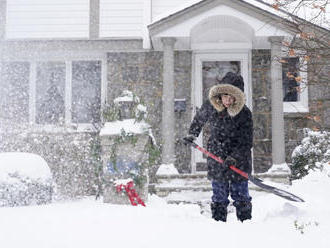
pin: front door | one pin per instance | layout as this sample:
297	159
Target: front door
209	69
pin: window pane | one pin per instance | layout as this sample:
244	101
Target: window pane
289	74
14	96
214	71
50	92
86	91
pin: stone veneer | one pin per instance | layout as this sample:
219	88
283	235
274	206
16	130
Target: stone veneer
319	105
262	149
142	73
74	155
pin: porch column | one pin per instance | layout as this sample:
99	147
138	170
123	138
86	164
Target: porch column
94	19
168	155
3	7
278	143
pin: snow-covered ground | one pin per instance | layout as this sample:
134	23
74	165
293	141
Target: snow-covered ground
88	223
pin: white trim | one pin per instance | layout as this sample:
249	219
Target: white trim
300	106
68	59
104	84
182	28
32	92
37	56
222	45
193	104
244	56
68	92
250	93
147	18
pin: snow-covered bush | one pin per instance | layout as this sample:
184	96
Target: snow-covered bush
25	179
312	153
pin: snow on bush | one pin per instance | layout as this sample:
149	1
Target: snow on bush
25	179
312	153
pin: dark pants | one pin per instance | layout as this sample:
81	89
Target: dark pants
239	192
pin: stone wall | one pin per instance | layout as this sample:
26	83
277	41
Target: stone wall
142	73
319	110
318	117
262	150
72	158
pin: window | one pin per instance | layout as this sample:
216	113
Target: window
86	91
50	95
51	92
295	92
290	76
14	96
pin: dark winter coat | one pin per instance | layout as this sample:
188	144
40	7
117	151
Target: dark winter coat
231	130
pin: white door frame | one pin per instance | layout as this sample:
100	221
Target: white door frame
198	57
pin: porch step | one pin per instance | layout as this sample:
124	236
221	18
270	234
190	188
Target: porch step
181	182
191	188
189	197
184	188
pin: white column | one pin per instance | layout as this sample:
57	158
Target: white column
3	14
94	19
3	5
32	92
68	92
278	143
147	18
168	132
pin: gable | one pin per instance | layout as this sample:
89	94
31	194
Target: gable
180	23
261	27
303	12
221	24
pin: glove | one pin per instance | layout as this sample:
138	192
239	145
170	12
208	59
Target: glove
189	139
229	174
230	161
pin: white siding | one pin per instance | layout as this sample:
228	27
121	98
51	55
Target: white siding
47	19
121	18
159	7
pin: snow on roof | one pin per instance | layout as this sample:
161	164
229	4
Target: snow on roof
172	11
24	164
303	9
305	12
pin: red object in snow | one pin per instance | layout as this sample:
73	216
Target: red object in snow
131	192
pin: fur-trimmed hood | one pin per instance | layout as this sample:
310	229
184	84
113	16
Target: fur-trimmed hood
228	88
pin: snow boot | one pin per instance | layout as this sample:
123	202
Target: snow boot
243	210
219	211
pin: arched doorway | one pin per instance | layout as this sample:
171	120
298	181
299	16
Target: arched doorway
220	44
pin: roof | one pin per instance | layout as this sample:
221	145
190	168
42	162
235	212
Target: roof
304	13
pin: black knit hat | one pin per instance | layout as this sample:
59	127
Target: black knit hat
233	79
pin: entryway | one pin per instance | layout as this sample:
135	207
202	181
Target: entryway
208	70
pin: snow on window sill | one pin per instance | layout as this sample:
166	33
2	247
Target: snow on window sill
295	107
69	128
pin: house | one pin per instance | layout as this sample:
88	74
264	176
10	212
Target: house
63	61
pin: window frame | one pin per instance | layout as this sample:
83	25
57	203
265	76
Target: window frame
27	85
300	106
68	125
